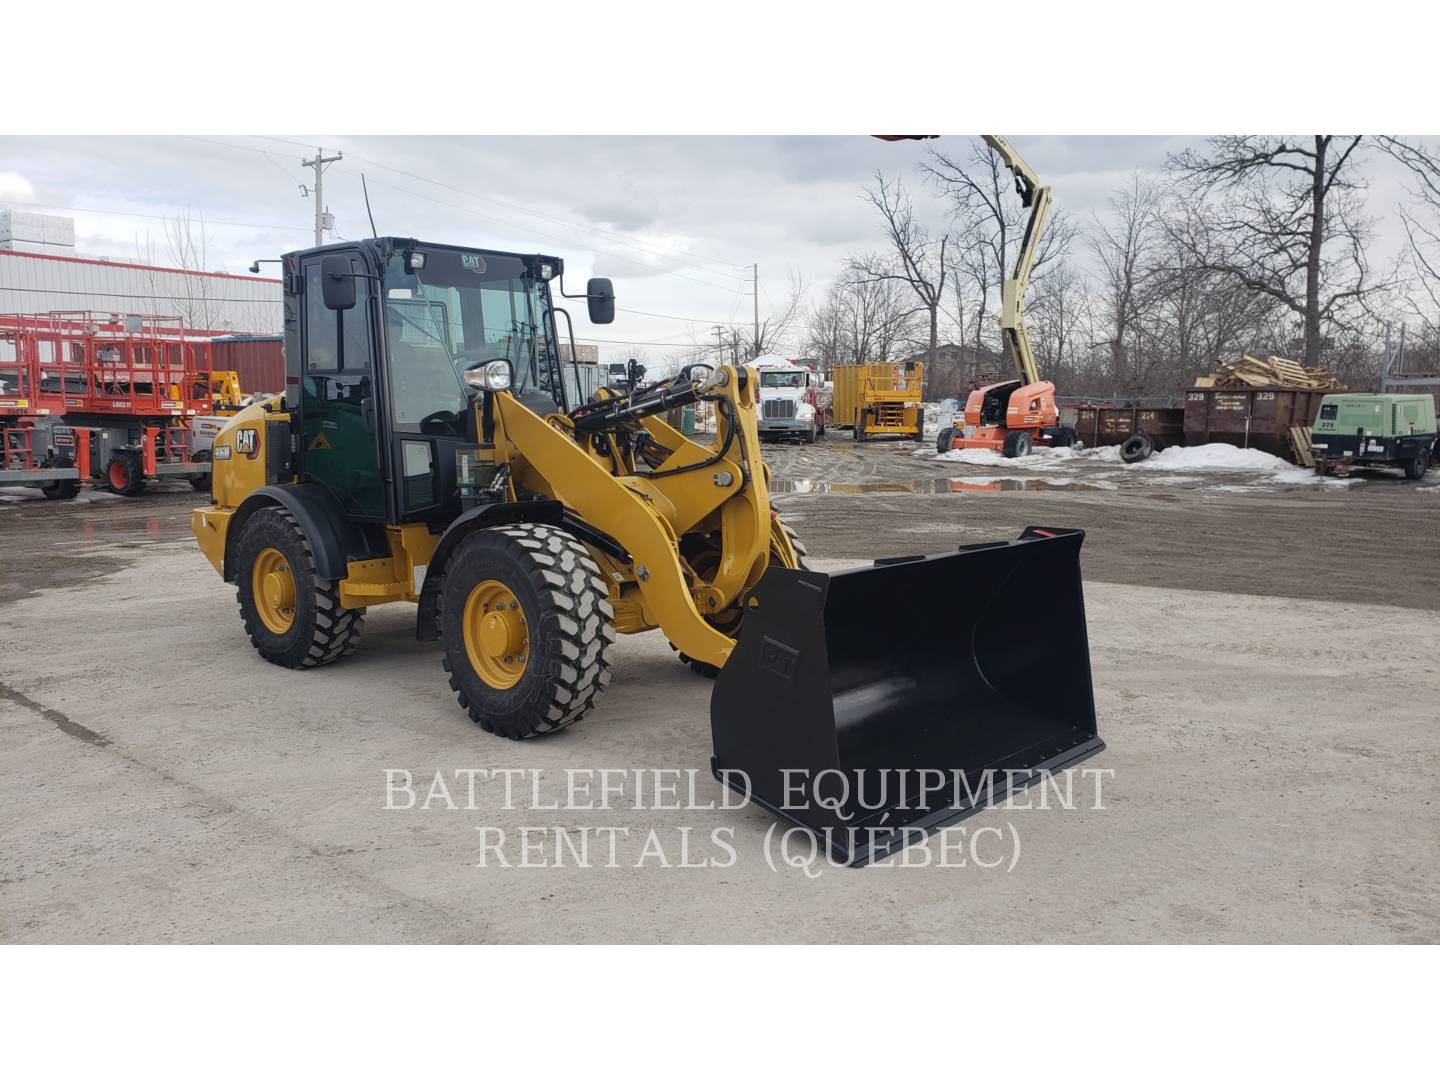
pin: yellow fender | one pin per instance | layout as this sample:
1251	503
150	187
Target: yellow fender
586	487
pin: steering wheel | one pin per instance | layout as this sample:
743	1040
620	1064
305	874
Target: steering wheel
438	423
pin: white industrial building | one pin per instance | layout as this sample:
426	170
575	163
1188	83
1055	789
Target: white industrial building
41	271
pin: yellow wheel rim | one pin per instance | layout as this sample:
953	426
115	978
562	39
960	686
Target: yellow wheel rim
273	586
496	637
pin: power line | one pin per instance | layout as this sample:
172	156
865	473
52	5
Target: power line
681	318
288	142
490	217
548	236
649	247
621	341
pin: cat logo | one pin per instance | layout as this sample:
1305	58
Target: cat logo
246	442
320	442
473	262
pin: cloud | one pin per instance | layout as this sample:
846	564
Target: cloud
15	187
673	220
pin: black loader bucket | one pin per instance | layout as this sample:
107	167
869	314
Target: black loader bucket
875	705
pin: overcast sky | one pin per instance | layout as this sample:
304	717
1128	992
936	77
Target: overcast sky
675	221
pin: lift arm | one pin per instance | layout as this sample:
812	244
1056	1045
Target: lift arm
1035	197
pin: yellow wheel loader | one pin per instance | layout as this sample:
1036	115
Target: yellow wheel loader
431	448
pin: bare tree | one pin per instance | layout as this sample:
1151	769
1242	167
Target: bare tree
776	328
987	221
863	317
1124	247
1284	217
192	296
1421	297
1060	322
915	258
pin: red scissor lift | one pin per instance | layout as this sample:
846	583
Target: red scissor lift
100	398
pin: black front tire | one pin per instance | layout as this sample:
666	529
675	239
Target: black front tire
321	631
567	616
710	671
1017	444
944	439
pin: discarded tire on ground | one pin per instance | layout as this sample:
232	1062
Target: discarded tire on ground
1136	448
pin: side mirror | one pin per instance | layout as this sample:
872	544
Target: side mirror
600	298
337	282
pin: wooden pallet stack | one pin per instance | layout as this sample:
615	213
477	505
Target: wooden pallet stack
1269	371
1304	453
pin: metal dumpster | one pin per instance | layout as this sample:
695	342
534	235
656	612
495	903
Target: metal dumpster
1259	417
1111	425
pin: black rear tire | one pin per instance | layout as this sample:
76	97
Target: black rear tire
1136	448
566	616
60	489
321	631
1416	466
201	483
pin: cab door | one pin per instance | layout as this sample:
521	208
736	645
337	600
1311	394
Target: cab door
338	445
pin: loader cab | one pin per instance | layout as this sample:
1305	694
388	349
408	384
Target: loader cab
378	334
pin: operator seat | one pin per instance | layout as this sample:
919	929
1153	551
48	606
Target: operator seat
422	377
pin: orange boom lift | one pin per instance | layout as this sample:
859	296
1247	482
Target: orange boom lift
1014	416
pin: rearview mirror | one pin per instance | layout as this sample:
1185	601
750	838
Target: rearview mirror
337	282
600	298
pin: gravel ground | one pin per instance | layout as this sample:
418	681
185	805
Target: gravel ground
1263	667
1375	541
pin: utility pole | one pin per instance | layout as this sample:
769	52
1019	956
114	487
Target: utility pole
755	293
319	166
719	344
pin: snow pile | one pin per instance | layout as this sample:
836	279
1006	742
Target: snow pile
1212	457
1039	458
941	414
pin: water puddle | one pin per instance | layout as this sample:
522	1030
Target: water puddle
928	486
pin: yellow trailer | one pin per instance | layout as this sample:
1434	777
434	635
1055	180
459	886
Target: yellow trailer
880	399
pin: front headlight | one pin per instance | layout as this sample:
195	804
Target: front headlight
805	411
492	376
